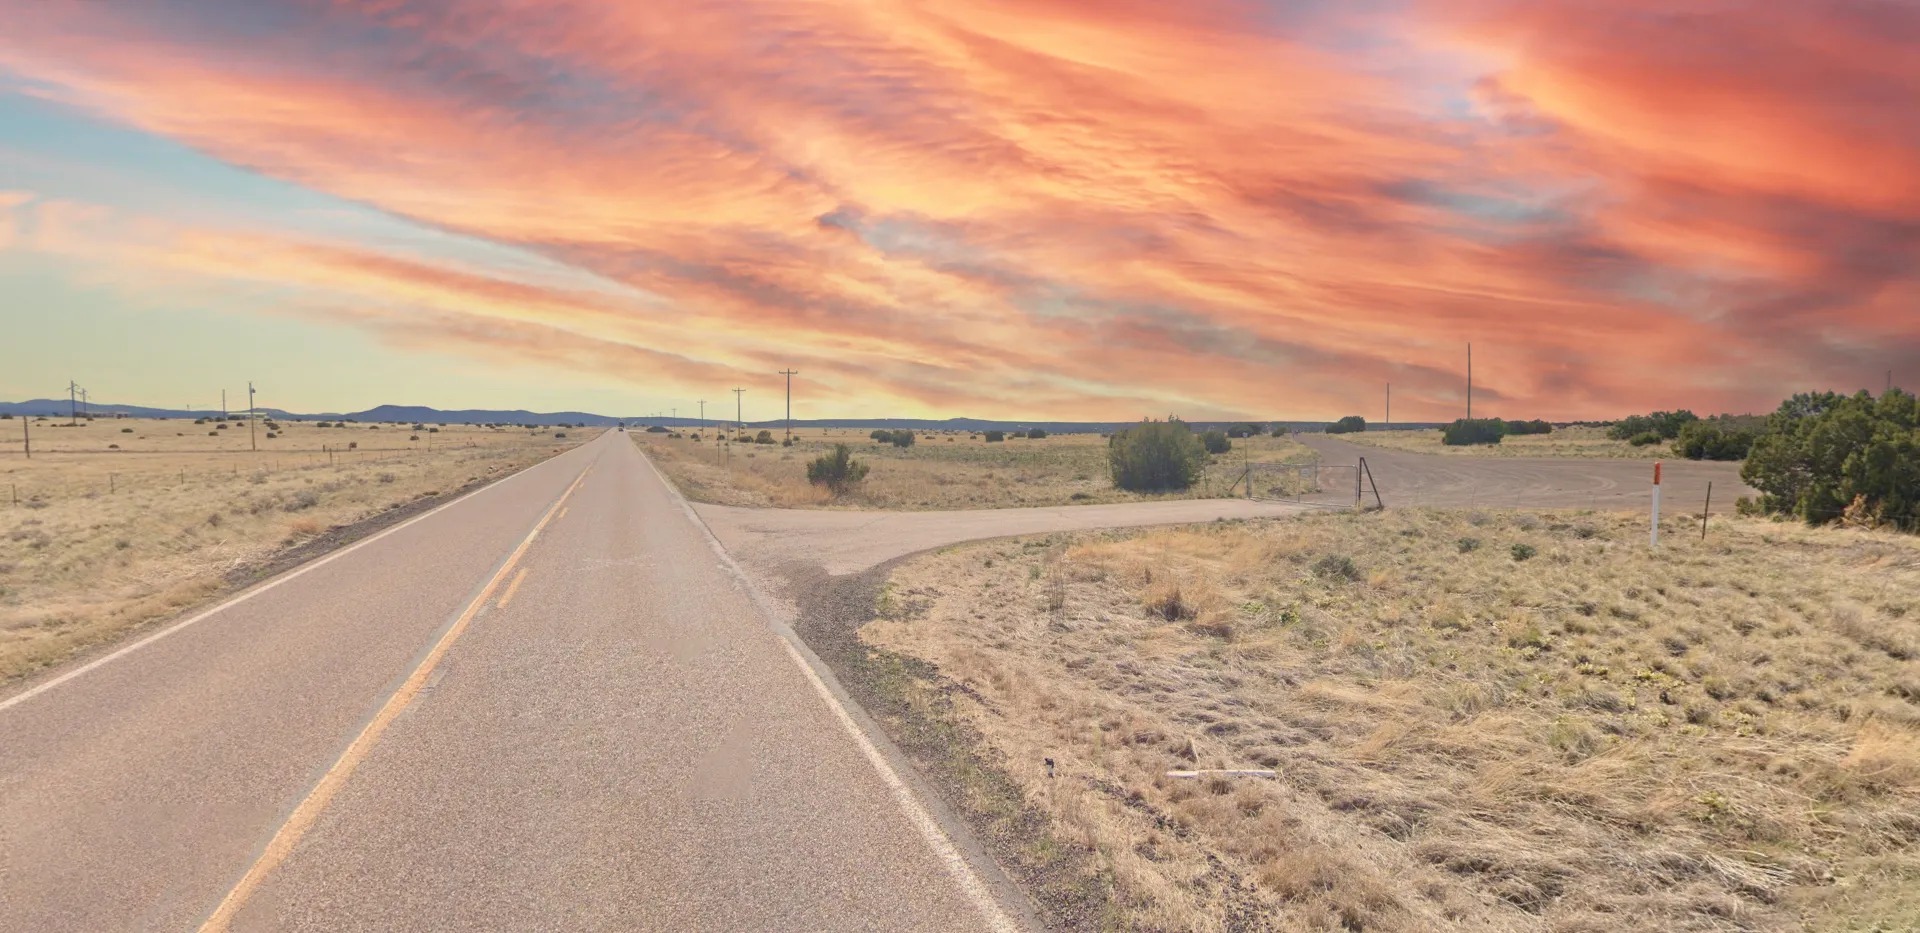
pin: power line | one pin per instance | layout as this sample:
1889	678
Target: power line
253	439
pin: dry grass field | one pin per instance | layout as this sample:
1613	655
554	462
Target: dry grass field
1563	442
1506	722
940	471
96	540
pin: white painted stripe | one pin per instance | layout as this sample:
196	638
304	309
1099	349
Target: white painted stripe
936	838
950	857
245	595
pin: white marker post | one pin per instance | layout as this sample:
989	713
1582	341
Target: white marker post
1653	536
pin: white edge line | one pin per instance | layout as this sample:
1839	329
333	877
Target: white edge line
259	588
929	828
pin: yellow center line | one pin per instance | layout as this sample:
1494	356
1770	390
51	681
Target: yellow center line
303	816
514	587
563	514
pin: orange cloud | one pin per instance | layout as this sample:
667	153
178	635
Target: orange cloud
1222	207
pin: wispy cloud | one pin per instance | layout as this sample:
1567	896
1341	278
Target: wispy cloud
1224	207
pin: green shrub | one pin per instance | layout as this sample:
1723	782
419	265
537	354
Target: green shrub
1826	456
1036	434
1216	442
1665	424
1463	432
656	429
1645	439
837	471
995	437
1468	544
1351	424
1280	430
882	435
786	442
1523	552
764	437
1529	427
1155	456
1336	567
1708	440
1244	430
902	439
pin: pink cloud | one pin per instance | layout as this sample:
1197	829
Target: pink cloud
1231	207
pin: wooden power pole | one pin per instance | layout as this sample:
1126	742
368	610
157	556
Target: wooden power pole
789	373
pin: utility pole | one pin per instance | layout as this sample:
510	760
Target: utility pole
83	402
252	436
26	433
223	404
739	420
789	373
73	403
703	414
1469	382
1389	406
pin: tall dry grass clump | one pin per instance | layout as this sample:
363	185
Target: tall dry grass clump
1718	736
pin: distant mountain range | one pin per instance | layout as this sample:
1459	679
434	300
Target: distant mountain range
421	414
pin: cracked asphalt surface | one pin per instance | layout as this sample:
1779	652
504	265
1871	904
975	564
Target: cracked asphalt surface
628	744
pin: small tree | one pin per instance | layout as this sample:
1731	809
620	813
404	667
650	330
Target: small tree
1155	456
1351	424
902	439
995	437
1216	442
1463	432
764	437
882	435
1707	440
1665	424
1036	434
837	471
1280	430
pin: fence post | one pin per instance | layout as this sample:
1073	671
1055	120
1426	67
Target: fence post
1706	510
110	484
1356	481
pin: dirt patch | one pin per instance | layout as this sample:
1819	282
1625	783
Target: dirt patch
913	702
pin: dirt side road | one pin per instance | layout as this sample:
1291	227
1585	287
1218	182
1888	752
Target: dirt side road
1410	479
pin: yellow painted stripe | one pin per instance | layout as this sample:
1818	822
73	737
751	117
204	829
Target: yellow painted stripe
303	816
514	587
563	514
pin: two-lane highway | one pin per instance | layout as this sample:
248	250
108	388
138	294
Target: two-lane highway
549	705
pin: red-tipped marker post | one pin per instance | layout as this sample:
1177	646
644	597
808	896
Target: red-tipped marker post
1653	536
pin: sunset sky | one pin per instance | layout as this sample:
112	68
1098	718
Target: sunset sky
1064	209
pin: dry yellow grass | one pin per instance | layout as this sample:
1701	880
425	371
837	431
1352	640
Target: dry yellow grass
941	470
103	540
1721	736
1563	442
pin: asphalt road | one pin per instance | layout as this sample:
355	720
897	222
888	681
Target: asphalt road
552	705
